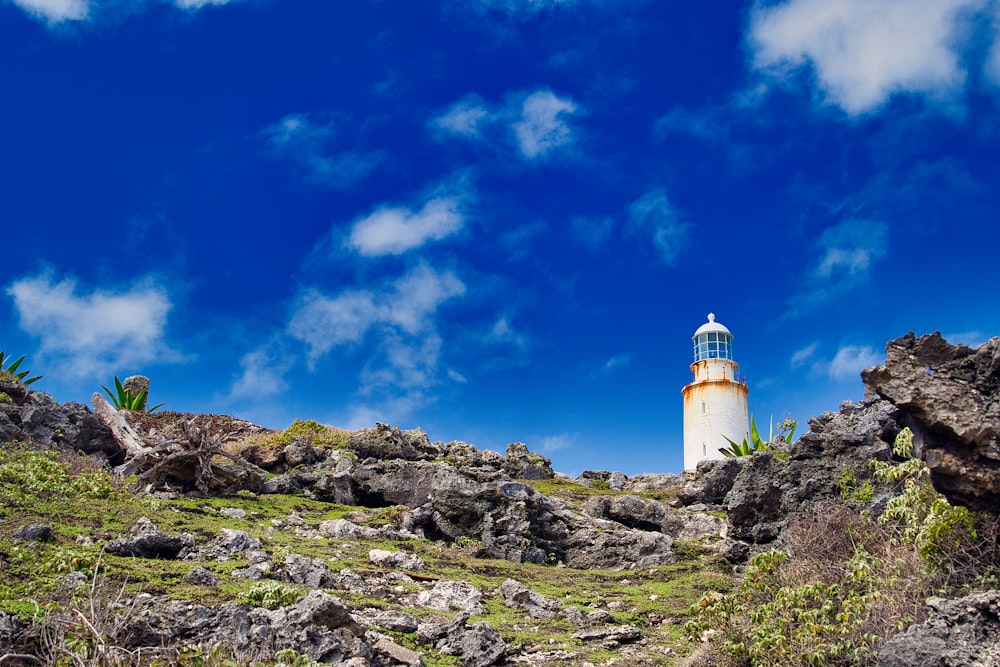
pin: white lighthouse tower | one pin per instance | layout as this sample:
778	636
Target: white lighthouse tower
715	403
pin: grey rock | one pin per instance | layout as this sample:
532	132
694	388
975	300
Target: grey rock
136	384
523	464
446	595
398	654
396	621
610	637
960	633
396	559
33	532
228	544
311	572
518	596
199	576
146	541
949	396
478	645
233	512
383	442
252	573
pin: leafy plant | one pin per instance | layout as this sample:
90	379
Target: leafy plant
758	444
124	399
270	594
8	366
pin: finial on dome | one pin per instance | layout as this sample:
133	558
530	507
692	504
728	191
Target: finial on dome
711	317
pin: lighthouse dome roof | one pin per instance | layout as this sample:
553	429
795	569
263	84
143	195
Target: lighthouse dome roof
710	326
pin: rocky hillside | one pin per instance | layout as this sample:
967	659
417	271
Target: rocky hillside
134	539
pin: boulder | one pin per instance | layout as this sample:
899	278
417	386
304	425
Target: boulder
383	442
523	464
147	541
960	633
949	395
518	596
446	595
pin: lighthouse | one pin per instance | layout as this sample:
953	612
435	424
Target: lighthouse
715	403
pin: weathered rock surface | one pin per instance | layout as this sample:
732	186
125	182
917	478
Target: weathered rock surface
949	395
760	492
960	633
147	541
35	417
318	626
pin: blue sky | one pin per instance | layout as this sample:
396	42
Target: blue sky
497	220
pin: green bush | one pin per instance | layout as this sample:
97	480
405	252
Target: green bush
270	595
124	399
843	582
10	367
27	473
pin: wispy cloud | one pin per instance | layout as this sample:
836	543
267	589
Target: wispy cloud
309	145
615	363
55	11
970	338
396	230
802	356
543	125
861	52
845	255
653	214
538	124
406	306
553	443
503	332
98	332
848	363
465	118
262	375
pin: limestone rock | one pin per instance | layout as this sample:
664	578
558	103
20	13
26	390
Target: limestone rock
519	596
960	633
396	559
447	595
147	541
523	464
383	442
950	397
199	576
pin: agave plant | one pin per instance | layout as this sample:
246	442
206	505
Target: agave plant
8	366
124	399
757	443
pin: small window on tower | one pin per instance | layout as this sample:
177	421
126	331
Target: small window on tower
704	449
703	407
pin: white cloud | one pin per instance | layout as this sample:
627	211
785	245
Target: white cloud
864	51
849	361
455	376
553	443
805	354
393	230
308	144
502	332
543	125
198	4
261	376
94	333
55	11
846	253
465	118
324	322
538	122
654	214
970	338
59	11
616	363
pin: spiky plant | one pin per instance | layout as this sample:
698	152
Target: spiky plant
124	399
8	366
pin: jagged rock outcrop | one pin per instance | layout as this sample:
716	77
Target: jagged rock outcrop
31	416
960	633
949	396
318	626
147	541
760	492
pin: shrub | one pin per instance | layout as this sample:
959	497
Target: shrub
124	399
756	443
270	595
10	367
843	582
